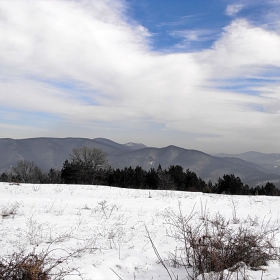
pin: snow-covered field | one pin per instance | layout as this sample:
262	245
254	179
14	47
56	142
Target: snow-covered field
107	225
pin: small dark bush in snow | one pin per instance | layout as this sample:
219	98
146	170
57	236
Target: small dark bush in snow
213	245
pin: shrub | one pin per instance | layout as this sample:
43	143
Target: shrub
213	245
35	266
20	267
9	210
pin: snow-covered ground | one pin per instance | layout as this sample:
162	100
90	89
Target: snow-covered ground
109	223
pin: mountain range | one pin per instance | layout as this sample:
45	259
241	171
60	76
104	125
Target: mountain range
252	167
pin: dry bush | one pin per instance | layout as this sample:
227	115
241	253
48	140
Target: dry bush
20	267
36	266
213	245
9	210
217	249
106	210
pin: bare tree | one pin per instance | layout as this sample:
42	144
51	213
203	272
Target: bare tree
93	157
27	172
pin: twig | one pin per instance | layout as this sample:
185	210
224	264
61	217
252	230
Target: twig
157	253
120	278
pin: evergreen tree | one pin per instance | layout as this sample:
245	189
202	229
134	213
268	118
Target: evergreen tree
229	184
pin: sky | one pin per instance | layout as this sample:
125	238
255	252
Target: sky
198	74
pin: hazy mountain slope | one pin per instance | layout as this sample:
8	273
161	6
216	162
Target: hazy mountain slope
269	161
52	152
49	152
135	146
119	147
206	166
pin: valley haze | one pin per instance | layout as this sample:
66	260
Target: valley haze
253	168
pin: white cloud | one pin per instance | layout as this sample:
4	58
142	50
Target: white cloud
119	80
194	35
242	50
233	9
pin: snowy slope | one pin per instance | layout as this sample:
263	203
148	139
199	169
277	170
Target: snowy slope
110	223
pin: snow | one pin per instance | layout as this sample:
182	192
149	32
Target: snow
110	222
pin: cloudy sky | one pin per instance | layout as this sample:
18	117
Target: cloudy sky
198	74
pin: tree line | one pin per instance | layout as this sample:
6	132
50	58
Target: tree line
91	166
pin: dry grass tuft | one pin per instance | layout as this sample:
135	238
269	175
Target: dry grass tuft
9	210
20	267
37	266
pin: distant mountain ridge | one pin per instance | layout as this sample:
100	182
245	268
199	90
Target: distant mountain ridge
52	152
269	161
